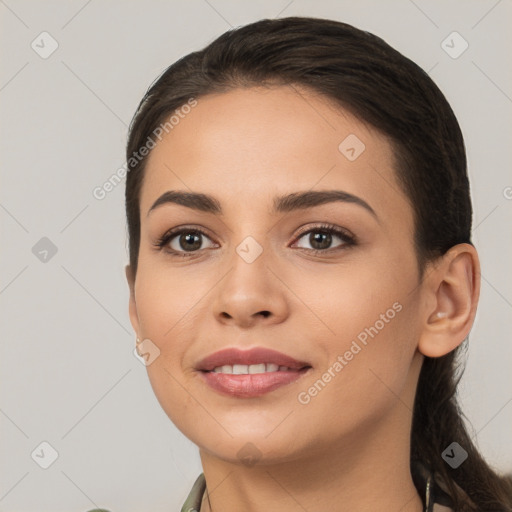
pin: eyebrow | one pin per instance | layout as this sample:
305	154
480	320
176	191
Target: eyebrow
282	204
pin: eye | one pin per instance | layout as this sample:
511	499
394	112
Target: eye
182	241
185	241
321	238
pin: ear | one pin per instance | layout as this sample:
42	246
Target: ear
132	308
452	290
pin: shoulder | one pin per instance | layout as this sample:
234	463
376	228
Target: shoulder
193	501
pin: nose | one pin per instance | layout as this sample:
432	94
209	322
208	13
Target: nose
251	293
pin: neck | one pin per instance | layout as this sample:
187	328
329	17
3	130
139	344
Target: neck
369	470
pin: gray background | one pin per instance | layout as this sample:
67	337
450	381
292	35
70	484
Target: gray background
69	376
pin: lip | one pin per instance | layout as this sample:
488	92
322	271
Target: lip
250	386
257	355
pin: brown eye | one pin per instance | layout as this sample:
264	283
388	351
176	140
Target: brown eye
321	238
182	241
189	241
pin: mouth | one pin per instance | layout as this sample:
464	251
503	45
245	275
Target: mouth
251	373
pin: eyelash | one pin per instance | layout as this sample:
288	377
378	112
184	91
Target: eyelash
347	238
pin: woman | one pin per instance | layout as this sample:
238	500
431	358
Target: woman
302	275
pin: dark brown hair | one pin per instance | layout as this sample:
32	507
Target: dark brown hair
364	75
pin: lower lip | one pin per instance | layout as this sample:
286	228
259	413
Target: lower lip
251	385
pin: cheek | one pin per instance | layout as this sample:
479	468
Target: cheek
167	301
355	297
372	318
364	381
378	330
169	309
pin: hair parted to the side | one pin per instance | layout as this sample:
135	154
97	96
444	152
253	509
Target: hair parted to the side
364	75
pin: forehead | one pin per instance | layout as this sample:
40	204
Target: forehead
248	145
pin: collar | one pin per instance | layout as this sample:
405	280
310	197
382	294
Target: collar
434	498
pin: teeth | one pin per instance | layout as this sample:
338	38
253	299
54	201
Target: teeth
256	368
244	369
239	369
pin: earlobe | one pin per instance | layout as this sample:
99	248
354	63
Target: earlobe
453	289
132	307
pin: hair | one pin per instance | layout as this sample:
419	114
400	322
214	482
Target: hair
362	74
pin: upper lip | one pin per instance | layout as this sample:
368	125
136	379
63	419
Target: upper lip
257	355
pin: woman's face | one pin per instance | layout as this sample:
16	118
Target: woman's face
350	311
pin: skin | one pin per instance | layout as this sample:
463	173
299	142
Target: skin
352	439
